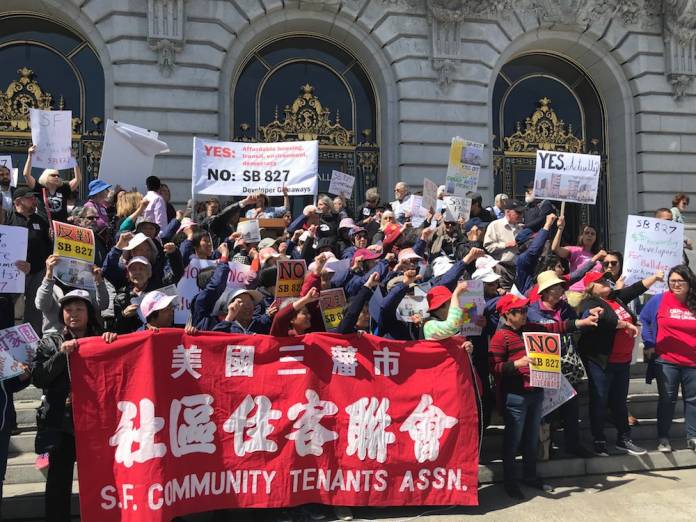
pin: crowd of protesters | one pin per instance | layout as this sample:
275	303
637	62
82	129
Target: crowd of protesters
532	282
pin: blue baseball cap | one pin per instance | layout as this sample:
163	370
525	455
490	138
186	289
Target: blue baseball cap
96	186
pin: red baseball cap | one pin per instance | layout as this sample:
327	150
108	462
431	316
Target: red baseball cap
510	302
595	277
437	296
365	254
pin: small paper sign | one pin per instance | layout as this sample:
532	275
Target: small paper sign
544	352
341	184
291	275
331	303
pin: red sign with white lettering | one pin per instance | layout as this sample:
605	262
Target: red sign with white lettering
169	424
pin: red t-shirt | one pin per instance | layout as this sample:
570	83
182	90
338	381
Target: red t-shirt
622	351
676	332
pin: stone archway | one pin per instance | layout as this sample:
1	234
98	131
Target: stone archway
340	29
614	89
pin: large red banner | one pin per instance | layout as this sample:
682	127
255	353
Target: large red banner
169	424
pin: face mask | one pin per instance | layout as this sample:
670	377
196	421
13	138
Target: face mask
528	198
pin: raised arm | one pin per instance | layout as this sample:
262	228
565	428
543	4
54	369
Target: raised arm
556	243
77	179
31	182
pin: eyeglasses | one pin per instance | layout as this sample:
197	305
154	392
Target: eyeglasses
610	263
677	282
54	175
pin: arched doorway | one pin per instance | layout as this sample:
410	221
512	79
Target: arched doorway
46	65
545	101
302	87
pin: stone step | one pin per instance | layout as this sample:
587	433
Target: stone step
26	501
22	443
570	467
26	411
30	393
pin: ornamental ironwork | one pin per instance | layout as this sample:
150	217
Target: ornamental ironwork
307	120
543	130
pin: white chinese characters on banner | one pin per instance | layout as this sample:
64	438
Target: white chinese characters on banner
186	360
344	360
51	132
651	244
426	425
310	436
239	361
227	168
127	435
367	429
251	432
197	432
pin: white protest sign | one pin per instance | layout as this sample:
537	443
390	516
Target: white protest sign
51	132
250	230
457	207
13	177
564	176
418	213
6	161
651	244
341	184
188	288
429	201
553	398
473	305
13	247
225	168
122	140
411	305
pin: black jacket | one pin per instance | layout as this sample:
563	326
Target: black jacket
596	343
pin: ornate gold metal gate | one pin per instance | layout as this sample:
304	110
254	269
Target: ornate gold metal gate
307	119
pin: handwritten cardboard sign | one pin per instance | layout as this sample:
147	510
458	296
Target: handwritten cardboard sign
51	132
564	176
13	248
651	244
341	184
331	303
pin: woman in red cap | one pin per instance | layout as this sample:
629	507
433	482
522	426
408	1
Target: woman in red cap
607	352
522	402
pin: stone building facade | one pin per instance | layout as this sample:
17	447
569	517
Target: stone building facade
436	69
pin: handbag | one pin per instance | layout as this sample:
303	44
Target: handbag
572	367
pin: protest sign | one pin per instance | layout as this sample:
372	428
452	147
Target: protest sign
564	176
456	208
473	304
472	152
6	161
410	306
13	248
75	248
291	274
140	146
544	352
51	132
553	398
17	347
187	288
249	230
331	303
429	200
463	167
418	212
651	244
341	184
198	423
225	168
13	177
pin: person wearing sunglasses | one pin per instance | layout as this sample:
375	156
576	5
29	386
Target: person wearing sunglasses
669	337
612	264
607	352
520	402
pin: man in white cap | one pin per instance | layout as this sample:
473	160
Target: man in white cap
240	311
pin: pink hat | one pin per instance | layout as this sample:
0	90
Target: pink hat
346	223
408	253
185	223
156	300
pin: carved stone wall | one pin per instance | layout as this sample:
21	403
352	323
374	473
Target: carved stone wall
165	31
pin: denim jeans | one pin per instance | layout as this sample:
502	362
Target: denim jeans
608	390
522	420
669	377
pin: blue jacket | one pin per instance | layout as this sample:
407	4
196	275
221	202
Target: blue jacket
355	306
528	260
648	318
204	301
7	388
